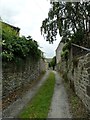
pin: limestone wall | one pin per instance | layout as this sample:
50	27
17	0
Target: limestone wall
82	79
78	74
16	76
58	52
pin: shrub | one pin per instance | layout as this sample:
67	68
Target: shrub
14	46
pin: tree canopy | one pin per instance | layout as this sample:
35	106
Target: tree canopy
70	19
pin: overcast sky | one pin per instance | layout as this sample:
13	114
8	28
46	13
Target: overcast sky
28	16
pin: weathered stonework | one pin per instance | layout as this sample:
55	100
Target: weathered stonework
79	76
18	75
58	52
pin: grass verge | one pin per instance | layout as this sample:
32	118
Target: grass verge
39	105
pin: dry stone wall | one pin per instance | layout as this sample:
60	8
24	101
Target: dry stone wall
18	75
82	79
78	74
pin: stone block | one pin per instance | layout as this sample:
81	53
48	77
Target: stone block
89	79
88	90
88	70
87	65
88	59
88	55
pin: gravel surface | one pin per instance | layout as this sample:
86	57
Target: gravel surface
59	106
14	109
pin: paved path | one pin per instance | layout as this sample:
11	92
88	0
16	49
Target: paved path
14	109
59	106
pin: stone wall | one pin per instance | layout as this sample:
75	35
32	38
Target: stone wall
78	74
58	52
16	76
82	79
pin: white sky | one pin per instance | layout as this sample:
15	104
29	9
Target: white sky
28	16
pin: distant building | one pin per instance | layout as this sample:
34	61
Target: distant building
58	52
16	29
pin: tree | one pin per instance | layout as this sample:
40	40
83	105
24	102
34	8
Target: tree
68	18
53	62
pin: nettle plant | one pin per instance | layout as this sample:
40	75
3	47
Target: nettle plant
14	47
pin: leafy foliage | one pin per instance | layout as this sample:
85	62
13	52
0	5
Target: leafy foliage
14	46
71	19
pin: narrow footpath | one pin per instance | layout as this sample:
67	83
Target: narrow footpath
14	109
59	106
